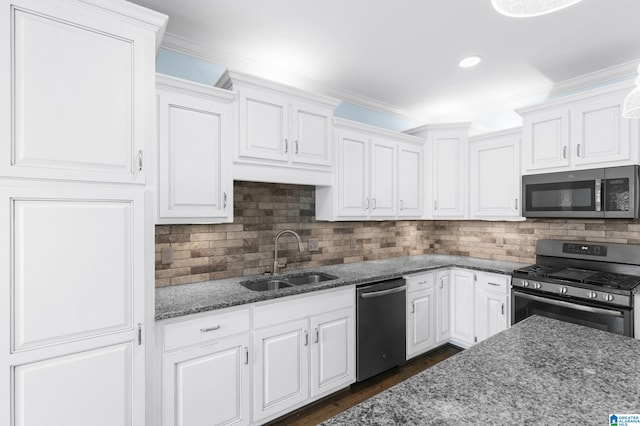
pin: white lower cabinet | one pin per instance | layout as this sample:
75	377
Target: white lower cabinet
462	311
205	369
492	304
304	349
208	385
421	314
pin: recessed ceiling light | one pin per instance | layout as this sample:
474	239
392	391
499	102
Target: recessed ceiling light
470	61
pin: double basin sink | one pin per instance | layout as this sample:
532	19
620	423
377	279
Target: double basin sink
275	283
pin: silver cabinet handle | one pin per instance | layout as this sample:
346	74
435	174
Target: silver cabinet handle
297	147
139	333
413	307
374	204
208	329
495	284
286	146
140	160
502	308
306	338
564	152
246	355
367	200
435	205
516	204
317	335
441	283
224	200
401	205
578	150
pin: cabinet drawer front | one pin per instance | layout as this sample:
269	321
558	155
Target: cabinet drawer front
420	282
205	328
491	282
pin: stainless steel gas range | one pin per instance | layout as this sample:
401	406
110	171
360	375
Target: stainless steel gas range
584	283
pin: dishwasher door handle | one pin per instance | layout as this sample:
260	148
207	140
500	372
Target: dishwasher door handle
383	292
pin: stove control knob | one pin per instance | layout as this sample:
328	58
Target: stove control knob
525	283
608	297
563	290
592	295
536	285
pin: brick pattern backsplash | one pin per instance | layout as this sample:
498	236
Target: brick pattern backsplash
245	247
515	241
261	210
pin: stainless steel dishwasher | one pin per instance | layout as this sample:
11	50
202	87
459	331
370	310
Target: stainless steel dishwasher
381	327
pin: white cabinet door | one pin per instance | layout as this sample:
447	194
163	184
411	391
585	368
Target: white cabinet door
264	126
383	178
449	176
421	322
491	313
599	132
78	282
353	174
332	351
545	140
194	179
312	133
281	368
462	318
208	385
494	182
81	85
443	311
410	185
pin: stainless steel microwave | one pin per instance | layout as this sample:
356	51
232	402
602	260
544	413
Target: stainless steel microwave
610	192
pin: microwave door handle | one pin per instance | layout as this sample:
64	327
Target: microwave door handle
598	195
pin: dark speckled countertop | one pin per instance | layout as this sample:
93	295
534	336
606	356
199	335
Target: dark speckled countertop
174	301
540	371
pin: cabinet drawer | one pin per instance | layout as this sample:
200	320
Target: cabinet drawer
420	281
491	282
205	328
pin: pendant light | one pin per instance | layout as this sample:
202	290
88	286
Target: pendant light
631	106
528	8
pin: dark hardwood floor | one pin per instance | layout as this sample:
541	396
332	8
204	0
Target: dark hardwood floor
330	406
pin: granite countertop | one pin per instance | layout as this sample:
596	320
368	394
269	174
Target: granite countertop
540	371
174	301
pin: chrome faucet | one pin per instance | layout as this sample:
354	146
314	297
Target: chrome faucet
277	266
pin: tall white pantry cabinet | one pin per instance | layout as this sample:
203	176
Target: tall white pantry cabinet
76	117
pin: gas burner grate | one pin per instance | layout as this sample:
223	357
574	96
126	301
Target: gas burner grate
613	280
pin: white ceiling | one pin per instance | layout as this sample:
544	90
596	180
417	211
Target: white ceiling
402	55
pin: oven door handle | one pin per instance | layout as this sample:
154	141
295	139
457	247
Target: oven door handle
383	292
575	306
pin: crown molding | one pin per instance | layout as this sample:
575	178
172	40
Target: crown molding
241	64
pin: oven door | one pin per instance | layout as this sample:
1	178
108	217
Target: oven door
617	320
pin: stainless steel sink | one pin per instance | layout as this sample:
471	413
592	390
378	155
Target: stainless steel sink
287	281
265	285
311	278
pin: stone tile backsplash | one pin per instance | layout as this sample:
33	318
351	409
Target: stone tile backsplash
245	247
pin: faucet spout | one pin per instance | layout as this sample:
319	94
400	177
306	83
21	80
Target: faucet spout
277	266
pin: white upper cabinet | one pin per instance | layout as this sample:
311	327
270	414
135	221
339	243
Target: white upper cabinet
285	135
195	136
410	180
82	80
579	132
494	175
447	168
379	175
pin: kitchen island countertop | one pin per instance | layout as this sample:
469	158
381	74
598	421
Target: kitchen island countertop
540	371
178	300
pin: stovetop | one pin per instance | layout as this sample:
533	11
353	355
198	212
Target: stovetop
603	279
